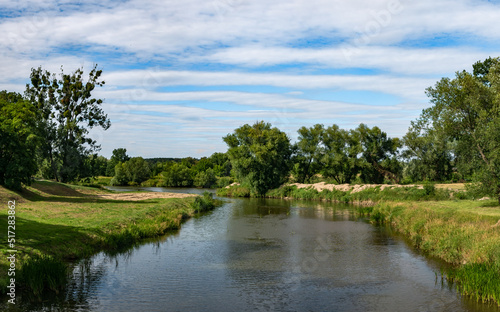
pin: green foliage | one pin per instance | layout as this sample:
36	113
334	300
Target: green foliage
65	111
203	203
341	155
41	273
221	164
260	156
132	172
177	175
457	234
429	155
380	155
119	155
478	280
224	181
466	112
308	153
234	191
429	189
205	179
340	161
18	140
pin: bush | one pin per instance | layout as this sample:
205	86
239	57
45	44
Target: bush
429	189
224	181
203	203
205	179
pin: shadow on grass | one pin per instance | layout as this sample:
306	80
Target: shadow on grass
79	198
60	241
490	204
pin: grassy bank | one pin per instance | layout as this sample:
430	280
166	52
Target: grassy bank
369	195
57	222
465	234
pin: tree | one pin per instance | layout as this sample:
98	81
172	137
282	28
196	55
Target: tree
466	110
205	179
221	163
260	156
119	155
176	175
380	154
429	156
137	170
66	111
308	153
134	171
340	160
18	140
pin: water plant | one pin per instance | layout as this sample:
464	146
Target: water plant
41	273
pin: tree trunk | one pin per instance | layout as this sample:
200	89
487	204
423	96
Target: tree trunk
53	166
386	173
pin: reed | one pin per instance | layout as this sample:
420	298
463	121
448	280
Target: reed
42	273
465	234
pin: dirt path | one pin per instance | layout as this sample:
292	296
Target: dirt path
143	196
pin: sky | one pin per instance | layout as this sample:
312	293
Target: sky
182	74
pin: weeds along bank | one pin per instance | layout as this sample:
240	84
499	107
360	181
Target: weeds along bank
465	234
57	222
367	194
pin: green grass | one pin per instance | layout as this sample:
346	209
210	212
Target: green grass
61	222
369	195
465	234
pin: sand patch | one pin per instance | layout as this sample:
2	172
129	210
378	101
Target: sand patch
353	188
144	196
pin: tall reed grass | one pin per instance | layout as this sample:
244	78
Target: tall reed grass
42	273
459	234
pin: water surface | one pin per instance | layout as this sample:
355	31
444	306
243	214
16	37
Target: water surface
265	255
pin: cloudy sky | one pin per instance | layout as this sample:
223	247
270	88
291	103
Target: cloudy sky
181	74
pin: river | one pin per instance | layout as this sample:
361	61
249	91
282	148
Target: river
265	255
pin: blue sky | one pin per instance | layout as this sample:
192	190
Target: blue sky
181	74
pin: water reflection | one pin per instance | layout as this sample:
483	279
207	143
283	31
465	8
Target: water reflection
265	255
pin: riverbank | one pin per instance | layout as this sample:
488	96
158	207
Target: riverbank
56	222
465	234
366	194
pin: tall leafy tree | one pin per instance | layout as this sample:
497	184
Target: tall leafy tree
66	111
18	140
260	156
309	152
380	153
466	110
429	156
119	155
341	158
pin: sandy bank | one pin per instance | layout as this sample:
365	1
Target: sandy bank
143	196
347	187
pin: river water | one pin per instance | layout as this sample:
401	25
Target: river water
265	255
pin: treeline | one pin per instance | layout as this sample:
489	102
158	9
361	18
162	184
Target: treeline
207	172
457	139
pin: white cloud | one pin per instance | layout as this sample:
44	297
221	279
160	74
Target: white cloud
408	87
212	48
